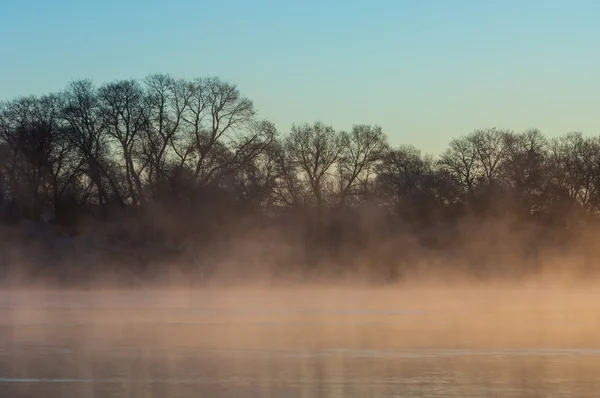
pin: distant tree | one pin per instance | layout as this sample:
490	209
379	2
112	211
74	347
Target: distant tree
288	188
256	181
190	160
88	134
460	160
410	184
40	164
475	161
222	130
314	151
525	170
167	100
574	167
361	151
125	114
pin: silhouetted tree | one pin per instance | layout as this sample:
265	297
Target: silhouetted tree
525	171
474	161
41	163
167	100
125	114
361	151
190	161
314	150
88	134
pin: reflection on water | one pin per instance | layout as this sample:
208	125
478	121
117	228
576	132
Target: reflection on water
211	346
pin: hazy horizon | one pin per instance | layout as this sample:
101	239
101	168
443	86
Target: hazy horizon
425	71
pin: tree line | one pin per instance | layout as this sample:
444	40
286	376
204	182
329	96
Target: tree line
179	159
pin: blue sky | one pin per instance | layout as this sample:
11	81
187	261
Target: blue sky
426	71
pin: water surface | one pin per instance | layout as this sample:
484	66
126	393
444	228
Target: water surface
318	343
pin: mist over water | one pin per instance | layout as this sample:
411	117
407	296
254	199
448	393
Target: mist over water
301	341
162	236
159	239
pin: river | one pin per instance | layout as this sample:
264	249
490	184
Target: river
301	343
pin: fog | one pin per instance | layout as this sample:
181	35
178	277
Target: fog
505	308
408	340
149	248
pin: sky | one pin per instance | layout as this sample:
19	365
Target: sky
427	71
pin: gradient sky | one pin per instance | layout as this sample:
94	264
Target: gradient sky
426	71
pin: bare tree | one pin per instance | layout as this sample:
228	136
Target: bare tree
410	184
256	181
460	159
474	160
224	134
315	150
491	149
167	100
125	115
288	189
574	166
87	132
524	170
361	151
41	157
